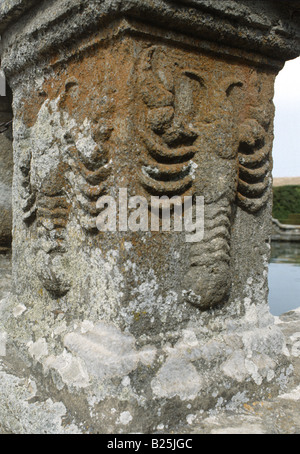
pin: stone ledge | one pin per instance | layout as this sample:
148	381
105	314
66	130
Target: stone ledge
265	29
285	232
276	415
24	411
11	10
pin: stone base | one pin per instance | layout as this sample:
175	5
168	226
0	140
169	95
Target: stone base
137	329
97	378
105	381
236	394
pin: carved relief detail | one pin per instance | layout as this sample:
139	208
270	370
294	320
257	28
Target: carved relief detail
209	274
63	176
44	200
254	166
89	175
27	193
175	140
253	112
53	210
168	137
192	135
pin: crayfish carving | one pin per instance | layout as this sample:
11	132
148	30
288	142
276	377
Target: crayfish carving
62	177
200	137
168	136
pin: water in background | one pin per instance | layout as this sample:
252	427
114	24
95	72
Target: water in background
284	277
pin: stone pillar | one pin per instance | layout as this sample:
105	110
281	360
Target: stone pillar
138	326
6	172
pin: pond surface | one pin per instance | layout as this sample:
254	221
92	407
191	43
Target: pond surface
284	277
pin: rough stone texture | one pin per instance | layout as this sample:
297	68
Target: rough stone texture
134	330
275	415
6	172
270	28
26	409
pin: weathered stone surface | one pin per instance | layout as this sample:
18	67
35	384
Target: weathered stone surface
140	328
275	415
27	409
6	172
269	28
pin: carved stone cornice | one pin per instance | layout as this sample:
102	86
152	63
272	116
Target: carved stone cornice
32	29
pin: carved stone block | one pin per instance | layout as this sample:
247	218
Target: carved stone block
130	321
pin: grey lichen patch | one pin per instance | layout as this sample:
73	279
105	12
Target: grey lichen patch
19	310
177	377
218	357
107	351
38	349
21	415
69	370
3	340
125	418
240	368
